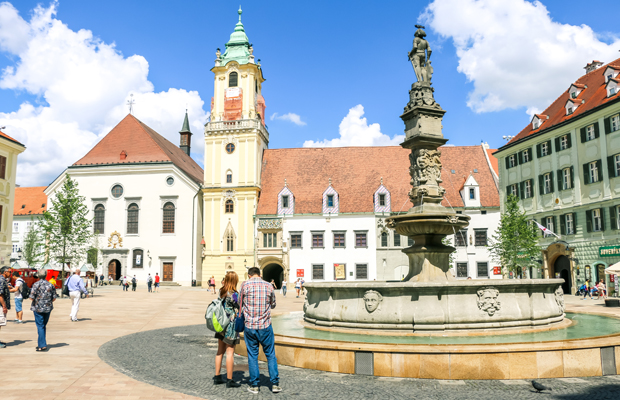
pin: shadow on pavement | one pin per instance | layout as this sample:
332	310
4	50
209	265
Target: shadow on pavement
598	392
51	346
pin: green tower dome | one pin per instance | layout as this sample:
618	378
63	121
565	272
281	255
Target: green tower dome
238	47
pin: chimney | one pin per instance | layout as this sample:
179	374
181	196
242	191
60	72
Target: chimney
186	136
592	66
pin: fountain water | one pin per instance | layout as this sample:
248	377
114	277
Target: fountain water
429	298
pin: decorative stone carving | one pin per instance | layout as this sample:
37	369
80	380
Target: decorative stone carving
244	75
115	239
559	298
270	223
306	304
453	219
381	225
372	300
228	194
420	56
221	77
487	300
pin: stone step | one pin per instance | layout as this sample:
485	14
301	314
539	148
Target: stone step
162	283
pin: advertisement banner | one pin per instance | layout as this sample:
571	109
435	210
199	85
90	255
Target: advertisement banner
339	272
300	273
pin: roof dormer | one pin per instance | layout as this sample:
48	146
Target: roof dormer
470	193
286	201
575	90
612	86
611	72
331	202
382	199
571	105
538	120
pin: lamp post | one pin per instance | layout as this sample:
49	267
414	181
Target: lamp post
19	254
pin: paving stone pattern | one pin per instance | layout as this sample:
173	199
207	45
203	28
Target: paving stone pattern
181	359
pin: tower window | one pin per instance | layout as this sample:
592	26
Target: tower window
230	148
229	177
230	206
232	79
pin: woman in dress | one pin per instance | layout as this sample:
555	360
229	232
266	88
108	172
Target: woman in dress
229	338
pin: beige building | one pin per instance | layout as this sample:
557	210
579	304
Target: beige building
565	168
9	150
235	139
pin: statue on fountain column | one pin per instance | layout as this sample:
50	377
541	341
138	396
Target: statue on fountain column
420	56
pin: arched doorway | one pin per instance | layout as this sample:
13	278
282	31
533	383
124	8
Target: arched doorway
600	272
114	269
562	267
275	272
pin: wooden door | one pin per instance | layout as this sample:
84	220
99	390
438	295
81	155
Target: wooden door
112	270
168	272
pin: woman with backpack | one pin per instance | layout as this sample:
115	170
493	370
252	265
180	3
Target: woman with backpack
229	337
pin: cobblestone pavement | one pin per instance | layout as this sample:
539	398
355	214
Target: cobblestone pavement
181	359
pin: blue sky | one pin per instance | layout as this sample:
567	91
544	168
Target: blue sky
321	59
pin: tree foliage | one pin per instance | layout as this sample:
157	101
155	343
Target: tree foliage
66	226
514	241
33	250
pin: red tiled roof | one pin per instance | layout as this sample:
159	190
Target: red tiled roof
494	161
356	173
141	145
30	201
4	135
593	96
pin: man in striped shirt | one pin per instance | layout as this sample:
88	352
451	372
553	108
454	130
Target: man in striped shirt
257	300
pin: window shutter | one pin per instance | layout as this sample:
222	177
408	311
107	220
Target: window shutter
557	144
586	174
589	220
583	135
518	186
596	131
529	154
560	179
508	162
538	146
574	222
549	148
507	192
611	166
555	224
541	184
613	216
572	176
569	140
520	157
562	224
602	219
607	123
522	190
599	168
551	180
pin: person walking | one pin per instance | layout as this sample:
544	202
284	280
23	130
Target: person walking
284	288
5	298
101	280
149	283
212	283
228	339
157	281
19	298
43	295
273	283
75	284
110	280
602	289
257	300
587	290
134	283
298	286
124	283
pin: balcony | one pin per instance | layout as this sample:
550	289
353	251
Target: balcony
224	127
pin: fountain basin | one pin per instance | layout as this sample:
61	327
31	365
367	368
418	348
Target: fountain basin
437	223
435	306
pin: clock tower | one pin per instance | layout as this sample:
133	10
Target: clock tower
235	138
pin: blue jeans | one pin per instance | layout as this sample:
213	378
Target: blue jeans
265	337
41	320
18	304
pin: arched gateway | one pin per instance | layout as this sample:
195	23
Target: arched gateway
275	272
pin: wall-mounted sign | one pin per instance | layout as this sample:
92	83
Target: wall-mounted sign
339	272
609	251
233	92
138	259
497	270
300	273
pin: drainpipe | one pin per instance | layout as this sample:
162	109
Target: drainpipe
193	220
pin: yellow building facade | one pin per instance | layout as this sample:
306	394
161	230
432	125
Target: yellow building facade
9	150
235	138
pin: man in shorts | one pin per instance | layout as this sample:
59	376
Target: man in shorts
5	298
156	282
17	289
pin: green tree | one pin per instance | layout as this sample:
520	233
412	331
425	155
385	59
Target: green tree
92	255
33	250
514	241
67	229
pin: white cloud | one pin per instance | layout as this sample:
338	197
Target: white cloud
85	84
292	117
513	52
355	131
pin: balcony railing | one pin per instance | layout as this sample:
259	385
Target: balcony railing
214	126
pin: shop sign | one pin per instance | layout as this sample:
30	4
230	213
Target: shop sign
609	251
300	273
497	270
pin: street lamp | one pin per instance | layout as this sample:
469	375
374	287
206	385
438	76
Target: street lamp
19	254
245	264
507	137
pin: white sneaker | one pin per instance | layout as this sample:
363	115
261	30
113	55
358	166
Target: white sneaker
276	389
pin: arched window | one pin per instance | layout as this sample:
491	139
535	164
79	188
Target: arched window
230	242
384	239
168	218
230	206
138	258
132	218
232	79
99	225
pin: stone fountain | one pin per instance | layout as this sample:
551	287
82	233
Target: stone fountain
429	298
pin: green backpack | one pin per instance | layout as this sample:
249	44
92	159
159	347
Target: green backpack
216	316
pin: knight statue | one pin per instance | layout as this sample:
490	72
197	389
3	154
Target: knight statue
420	56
